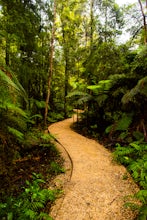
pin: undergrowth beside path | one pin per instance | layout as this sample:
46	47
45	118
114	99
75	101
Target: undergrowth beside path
27	192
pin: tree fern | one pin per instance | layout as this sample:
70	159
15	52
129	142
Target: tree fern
140	88
103	85
6	81
12	119
76	93
13	108
80	97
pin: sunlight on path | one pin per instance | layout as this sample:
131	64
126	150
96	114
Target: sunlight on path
96	190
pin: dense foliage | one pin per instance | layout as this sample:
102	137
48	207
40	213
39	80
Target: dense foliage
134	157
30	204
56	56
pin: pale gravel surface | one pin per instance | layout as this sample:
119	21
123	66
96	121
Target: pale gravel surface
96	190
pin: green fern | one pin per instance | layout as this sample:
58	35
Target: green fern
101	98
56	169
103	85
139	171
76	93
124	122
138	136
30	204
81	97
7	82
122	154
140	88
19	135
12	116
121	123
84	99
134	157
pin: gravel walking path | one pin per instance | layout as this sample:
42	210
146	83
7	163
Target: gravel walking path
94	186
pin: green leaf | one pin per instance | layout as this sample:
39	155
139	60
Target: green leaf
108	129
136	146
124	122
10	216
19	135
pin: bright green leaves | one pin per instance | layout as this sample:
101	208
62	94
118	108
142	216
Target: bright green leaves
30	204
134	156
103	85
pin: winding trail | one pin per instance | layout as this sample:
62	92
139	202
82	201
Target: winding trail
95	188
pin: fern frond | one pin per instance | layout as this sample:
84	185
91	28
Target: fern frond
45	216
15	109
35	205
76	93
103	85
140	88
117	77
124	123
108	129
142	195
106	85
121	124
19	135
40	104
84	99
30	214
101	99
16	122
7	82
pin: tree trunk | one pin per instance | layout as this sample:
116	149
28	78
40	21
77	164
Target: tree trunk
91	22
144	20
66	86
67	63
7	56
106	22
50	70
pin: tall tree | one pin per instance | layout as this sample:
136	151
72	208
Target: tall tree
144	19
50	70
70	23
91	22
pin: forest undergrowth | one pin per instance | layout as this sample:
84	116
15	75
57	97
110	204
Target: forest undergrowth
26	191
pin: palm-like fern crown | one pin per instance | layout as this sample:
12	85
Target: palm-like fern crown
11	115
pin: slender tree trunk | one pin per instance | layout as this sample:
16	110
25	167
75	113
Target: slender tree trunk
144	20
91	22
106	21
67	63
7	49
7	52
66	85
50	70
66	75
